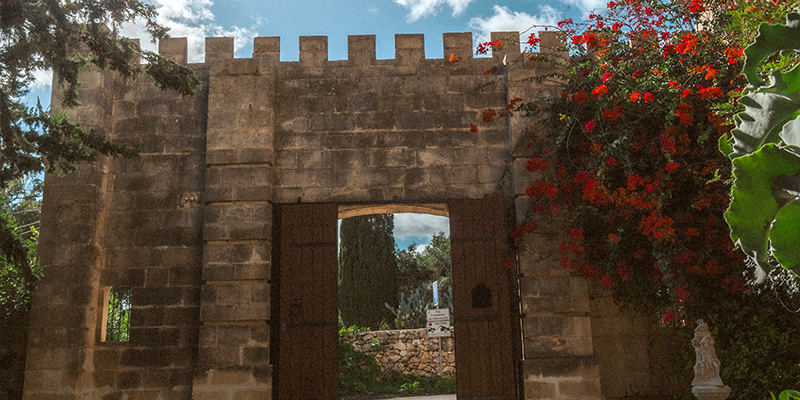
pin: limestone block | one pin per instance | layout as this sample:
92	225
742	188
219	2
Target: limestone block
174	48
361	49
268	48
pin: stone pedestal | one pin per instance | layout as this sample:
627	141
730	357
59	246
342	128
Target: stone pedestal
711	392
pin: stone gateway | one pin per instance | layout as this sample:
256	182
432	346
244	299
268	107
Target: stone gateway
223	229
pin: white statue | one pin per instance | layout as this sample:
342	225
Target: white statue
707	383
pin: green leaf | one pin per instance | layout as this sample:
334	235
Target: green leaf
725	146
785	236
753	206
791	132
771	39
762	121
789	395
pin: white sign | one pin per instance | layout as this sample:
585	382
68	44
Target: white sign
439	322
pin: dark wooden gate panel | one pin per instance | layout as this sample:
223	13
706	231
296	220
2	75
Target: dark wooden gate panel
482	300
307	365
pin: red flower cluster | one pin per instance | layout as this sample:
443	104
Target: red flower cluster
599	91
634	173
580	97
612	115
485	47
658	227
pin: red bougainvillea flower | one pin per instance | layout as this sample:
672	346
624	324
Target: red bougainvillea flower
711	92
733	54
658	227
696	6
687	92
484	48
612	115
607	76
670	315
648	97
637	74
576	234
672	167
667	143
612	162
688	45
674	85
613	237
473	128
616	26
711	73
607	281
561	23
537	164
589	126
580	97
684	112
635	96
599	91
533	41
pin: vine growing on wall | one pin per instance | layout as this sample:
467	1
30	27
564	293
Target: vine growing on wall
626	160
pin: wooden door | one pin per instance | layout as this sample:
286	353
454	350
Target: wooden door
307	365
481	300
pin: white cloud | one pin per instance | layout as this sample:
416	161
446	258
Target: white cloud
505	20
586	6
423	8
193	20
408	226
43	79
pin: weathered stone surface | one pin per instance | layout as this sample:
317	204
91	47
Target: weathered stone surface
188	225
408	351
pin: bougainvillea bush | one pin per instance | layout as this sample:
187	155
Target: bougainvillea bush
628	157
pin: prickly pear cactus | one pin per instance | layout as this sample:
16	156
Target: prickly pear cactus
764	214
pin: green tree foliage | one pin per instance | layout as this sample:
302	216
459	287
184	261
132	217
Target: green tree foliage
417	272
19	214
66	37
431	264
119	314
367	270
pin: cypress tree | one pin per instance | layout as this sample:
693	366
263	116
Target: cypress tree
367	270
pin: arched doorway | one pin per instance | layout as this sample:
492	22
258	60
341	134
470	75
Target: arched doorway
305	301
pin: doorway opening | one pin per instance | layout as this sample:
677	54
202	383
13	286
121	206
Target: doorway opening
305	306
393	266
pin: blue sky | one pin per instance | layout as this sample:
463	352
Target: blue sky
245	19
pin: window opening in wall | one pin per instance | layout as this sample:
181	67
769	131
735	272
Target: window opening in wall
388	264
117	316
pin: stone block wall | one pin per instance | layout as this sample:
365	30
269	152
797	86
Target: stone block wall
13	345
406	351
188	225
385	130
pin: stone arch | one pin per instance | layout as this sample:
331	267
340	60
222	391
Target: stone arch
355	210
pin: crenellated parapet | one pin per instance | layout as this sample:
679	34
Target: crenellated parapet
361	49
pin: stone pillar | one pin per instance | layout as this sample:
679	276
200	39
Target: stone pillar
559	360
233	359
63	325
